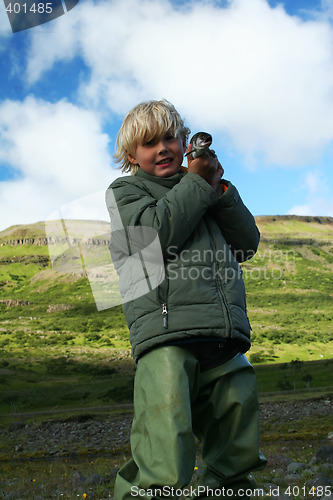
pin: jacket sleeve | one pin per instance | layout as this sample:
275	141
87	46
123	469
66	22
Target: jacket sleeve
174	216
237	224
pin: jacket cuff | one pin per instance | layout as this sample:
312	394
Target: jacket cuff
229	196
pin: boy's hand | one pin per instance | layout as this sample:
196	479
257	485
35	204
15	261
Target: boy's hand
207	166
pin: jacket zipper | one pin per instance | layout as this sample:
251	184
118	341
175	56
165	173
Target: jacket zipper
164	302
165	315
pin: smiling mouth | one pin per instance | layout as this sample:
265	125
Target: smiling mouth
164	161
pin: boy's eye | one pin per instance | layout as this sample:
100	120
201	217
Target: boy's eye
153	141
149	143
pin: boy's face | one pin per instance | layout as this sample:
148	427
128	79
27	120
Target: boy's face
161	158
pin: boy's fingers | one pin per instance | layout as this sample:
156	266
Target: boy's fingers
220	168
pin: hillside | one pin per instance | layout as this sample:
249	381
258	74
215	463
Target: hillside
59	350
289	286
292	229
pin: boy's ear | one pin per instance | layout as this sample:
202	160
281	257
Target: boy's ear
131	159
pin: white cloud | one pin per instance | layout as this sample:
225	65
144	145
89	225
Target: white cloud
59	153
257	78
313	183
317	206
317	195
254	73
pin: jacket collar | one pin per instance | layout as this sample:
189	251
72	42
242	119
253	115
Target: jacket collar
164	181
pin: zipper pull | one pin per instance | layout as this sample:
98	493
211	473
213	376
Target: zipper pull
165	315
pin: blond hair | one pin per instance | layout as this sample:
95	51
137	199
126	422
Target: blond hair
146	121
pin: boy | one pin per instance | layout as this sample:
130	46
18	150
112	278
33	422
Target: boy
188	335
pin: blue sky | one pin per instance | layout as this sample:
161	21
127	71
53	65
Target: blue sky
256	74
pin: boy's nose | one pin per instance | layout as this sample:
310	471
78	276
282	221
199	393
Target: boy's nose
162	145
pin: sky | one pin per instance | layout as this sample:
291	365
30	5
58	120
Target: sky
256	74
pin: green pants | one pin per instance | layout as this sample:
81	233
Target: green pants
173	403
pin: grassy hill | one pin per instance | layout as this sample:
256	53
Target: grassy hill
289	284
51	333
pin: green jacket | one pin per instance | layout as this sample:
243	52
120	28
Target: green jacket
203	236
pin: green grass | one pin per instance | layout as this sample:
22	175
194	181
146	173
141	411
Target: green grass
37	380
295	375
56	329
85	378
295	227
289	290
62	357
266	352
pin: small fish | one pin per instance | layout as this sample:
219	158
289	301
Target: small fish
201	141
